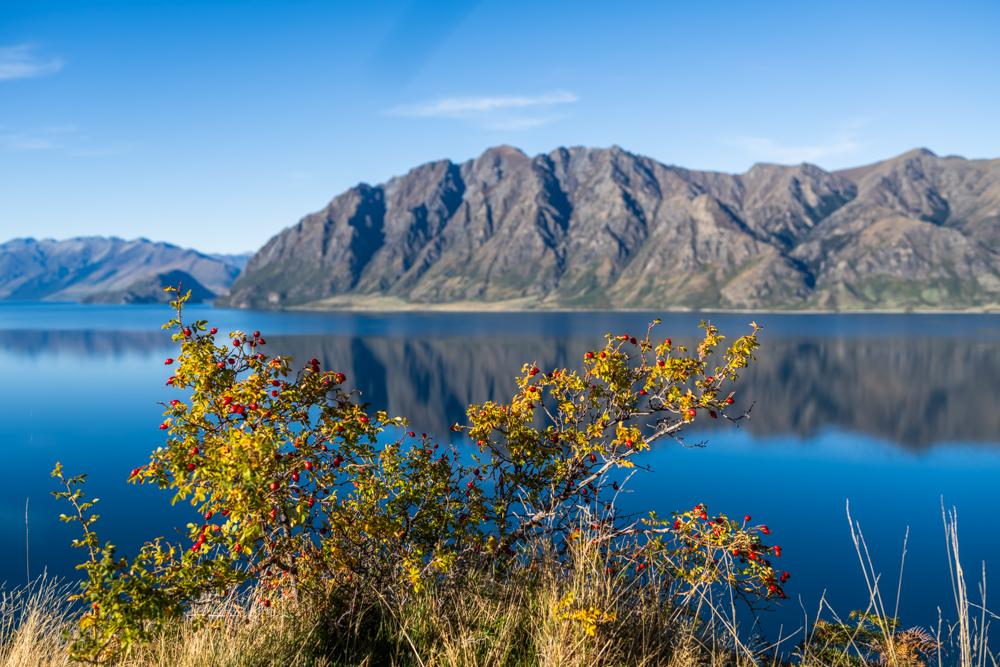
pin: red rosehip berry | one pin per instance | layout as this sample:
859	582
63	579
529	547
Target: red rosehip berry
214	331
533	372
191	466
765	530
168	361
747	518
729	400
642	392
589	355
273	486
256	334
236	343
295	476
661	363
691	413
186	332
308	465
163	426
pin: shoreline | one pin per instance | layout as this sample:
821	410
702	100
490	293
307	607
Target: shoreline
393	305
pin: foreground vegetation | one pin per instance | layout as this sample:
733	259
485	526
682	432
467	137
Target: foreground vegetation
329	534
573	615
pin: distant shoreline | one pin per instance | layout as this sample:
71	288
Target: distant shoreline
380	305
394	305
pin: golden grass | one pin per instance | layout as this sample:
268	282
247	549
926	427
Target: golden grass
569	614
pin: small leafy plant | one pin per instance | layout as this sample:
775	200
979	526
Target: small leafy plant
304	493
869	639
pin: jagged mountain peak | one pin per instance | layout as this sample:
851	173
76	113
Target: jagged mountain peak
603	227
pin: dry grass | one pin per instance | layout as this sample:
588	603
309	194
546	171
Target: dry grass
572	615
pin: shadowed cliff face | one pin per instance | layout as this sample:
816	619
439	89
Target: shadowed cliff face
607	228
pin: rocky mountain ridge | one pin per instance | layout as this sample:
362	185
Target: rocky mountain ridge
605	228
108	270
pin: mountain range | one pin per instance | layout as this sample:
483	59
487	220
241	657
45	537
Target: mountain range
109	270
606	228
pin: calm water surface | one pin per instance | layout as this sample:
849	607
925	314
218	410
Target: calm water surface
890	412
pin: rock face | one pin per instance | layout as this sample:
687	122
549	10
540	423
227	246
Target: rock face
107	270
606	228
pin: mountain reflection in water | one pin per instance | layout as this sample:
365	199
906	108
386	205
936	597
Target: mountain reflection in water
912	391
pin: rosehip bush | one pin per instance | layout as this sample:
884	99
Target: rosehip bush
303	492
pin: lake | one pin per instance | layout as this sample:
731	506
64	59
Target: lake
890	412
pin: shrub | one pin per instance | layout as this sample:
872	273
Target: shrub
305	494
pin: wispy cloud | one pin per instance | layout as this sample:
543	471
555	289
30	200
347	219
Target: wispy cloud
23	62
767	149
493	112
67	140
845	141
459	107
44	139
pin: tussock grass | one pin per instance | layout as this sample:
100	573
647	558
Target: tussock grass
556	613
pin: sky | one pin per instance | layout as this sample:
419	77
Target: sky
215	125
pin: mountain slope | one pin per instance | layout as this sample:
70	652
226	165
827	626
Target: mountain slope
107	270
607	228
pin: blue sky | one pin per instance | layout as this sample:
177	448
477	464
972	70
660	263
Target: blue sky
216	124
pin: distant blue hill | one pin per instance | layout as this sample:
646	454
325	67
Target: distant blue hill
109	270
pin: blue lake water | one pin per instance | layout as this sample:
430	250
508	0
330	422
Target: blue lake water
890	412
